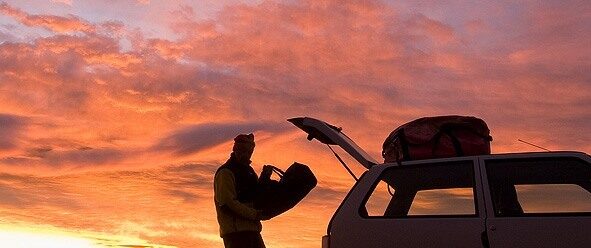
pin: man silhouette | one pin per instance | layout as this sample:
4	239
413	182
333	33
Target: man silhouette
235	185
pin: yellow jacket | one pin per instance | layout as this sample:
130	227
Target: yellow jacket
233	215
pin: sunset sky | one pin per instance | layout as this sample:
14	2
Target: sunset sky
115	114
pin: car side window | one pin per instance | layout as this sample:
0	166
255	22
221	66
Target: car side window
442	189
531	187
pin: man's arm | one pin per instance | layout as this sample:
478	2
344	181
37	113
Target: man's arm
225	195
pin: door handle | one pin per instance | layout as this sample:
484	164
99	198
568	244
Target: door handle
492	228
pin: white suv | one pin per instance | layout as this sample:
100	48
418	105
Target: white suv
501	200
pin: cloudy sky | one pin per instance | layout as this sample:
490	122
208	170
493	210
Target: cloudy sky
115	114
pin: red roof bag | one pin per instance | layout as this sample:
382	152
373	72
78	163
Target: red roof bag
437	137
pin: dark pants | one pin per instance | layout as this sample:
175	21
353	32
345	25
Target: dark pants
243	240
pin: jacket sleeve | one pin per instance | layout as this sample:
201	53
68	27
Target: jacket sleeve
225	195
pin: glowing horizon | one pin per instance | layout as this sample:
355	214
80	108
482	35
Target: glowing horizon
34	236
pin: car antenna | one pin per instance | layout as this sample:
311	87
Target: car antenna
533	145
343	163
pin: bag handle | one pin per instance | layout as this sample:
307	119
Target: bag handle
278	171
266	173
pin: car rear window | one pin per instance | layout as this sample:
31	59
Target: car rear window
441	189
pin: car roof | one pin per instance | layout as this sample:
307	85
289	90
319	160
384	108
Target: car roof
520	155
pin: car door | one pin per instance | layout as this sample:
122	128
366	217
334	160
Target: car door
413	205
539	201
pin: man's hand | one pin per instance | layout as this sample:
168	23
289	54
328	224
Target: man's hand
266	173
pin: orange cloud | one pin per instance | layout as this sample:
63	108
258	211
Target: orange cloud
258	63
78	108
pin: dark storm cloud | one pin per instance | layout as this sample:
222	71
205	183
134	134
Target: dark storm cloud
199	137
80	157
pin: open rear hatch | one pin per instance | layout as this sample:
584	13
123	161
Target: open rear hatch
332	135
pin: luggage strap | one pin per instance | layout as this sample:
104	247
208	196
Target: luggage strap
454	140
343	163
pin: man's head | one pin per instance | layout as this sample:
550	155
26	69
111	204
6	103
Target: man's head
243	147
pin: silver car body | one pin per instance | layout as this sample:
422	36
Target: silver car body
351	226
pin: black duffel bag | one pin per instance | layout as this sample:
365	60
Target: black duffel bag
276	197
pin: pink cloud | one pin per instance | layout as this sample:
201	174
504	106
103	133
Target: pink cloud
54	23
476	26
440	32
66	2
